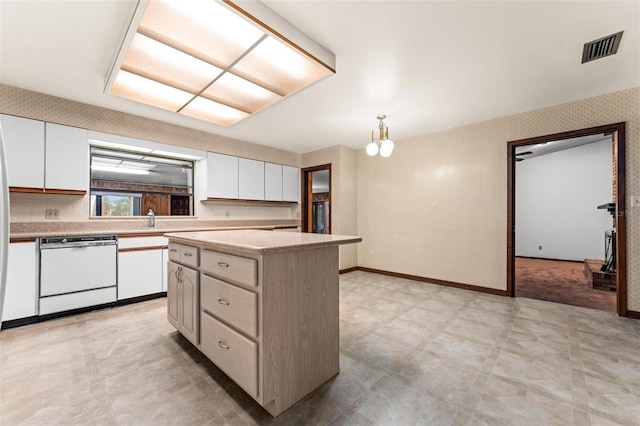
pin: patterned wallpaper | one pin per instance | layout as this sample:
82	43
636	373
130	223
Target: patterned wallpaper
31	207
437	207
25	103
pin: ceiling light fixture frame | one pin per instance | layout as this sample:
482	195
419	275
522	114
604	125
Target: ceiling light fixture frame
256	14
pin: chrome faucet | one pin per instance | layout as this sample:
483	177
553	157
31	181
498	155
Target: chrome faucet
152	219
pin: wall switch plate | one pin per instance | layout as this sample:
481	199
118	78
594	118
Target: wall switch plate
52	214
635	201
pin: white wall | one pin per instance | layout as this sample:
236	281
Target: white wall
343	162
437	207
556	199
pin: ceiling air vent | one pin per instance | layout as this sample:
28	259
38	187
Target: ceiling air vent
602	47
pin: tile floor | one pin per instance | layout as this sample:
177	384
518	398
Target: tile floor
411	354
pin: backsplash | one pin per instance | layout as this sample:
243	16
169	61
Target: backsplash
25	207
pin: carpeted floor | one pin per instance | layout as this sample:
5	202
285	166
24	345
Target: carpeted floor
561	282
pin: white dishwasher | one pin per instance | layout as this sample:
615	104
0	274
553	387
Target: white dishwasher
77	272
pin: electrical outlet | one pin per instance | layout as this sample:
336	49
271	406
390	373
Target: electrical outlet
539	247
226	214
52	214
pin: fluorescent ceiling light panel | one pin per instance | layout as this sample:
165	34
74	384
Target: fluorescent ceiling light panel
240	93
141	89
116	169
208	110
214	60
157	61
279	68
203	28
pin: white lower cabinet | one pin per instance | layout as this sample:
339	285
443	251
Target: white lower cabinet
139	273
183	300
165	259
21	293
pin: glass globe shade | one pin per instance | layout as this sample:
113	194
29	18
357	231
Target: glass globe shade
372	148
386	148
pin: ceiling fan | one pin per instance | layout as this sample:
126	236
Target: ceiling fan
522	153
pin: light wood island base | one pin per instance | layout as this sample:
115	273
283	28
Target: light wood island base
267	308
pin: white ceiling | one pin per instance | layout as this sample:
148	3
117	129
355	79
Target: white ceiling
427	65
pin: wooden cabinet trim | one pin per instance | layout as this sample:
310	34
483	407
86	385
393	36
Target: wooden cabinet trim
26	190
148	248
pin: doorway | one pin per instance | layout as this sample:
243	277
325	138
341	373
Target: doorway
316	199
520	149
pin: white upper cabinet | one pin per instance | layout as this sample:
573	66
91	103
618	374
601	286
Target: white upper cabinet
24	145
222	176
272	182
251	179
67	158
290	184
45	155
228	177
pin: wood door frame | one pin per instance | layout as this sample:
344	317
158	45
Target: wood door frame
307	196
618	133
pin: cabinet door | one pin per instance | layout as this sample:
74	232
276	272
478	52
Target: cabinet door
222	176
251	179
272	182
21	295
189	304
291	184
173	294
67	158
24	145
139	273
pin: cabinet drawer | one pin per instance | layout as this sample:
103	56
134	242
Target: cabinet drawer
174	252
236	355
238	269
181	253
189	255
231	304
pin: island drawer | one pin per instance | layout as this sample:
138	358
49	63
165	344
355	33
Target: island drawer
237	269
233	353
184	254
174	252
230	303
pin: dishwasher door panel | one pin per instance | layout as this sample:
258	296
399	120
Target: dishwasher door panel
65	302
66	270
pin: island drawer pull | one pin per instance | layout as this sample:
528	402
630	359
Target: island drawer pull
223	264
173	250
188	254
222	345
223	301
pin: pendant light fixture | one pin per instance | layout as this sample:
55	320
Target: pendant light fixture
382	144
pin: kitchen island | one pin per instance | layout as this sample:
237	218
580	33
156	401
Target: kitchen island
262	305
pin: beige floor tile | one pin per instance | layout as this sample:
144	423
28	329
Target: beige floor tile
411	353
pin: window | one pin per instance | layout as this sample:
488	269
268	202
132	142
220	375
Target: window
130	184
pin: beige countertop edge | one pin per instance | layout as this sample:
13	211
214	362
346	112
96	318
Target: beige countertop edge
138	232
239	247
